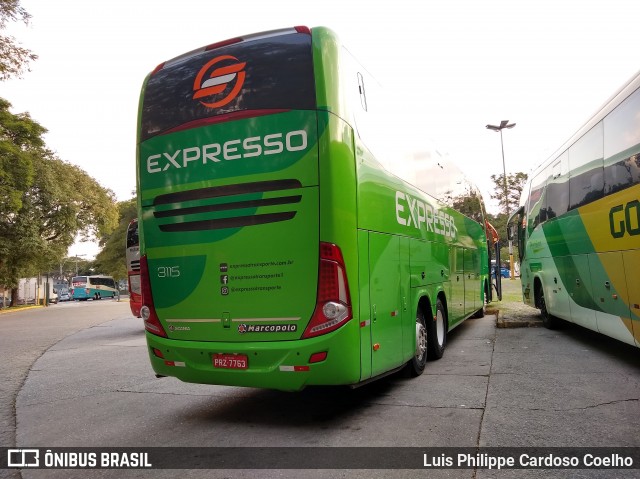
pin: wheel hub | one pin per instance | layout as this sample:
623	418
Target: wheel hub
421	340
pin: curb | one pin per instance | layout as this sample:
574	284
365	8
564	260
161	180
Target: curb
15	310
8	310
511	322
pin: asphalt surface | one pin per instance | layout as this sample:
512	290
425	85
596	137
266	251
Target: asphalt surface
27	334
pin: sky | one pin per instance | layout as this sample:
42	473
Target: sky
546	65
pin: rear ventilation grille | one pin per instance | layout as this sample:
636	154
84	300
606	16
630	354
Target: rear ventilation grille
180	213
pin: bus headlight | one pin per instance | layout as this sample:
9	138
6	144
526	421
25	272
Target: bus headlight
145	313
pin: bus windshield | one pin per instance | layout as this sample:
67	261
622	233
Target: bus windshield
277	70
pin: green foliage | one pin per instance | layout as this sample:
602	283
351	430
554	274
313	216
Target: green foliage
515	185
73	266
499	222
112	260
14	59
510	199
48	202
471	205
19	137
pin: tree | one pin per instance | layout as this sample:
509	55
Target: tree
20	139
14	59
469	204
49	202
112	260
515	183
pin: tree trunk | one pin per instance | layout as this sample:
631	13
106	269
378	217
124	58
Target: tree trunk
14	297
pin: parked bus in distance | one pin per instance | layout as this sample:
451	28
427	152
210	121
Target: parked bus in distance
578	225
286	235
93	287
133	267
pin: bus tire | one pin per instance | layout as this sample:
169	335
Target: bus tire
548	320
415	366
437	332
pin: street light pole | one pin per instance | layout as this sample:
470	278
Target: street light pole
77	262
505	124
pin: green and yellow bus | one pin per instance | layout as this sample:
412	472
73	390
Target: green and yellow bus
276	248
578	225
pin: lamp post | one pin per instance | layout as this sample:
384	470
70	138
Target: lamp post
505	124
77	261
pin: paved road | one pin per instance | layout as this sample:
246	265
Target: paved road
494	387
28	333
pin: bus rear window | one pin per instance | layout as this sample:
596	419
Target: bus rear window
271	73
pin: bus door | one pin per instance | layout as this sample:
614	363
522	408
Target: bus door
471	281
456	300
386	293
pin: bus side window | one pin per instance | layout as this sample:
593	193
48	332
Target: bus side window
586	161
557	190
536	213
622	145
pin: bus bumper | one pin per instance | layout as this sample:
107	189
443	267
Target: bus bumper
284	365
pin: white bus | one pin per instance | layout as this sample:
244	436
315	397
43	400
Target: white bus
94	287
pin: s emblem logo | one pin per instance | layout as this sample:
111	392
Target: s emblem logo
213	79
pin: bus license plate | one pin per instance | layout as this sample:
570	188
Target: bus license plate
230	361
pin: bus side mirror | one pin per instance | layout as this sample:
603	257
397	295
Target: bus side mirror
513	222
512	232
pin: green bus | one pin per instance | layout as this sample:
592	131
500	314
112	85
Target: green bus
578	225
276	248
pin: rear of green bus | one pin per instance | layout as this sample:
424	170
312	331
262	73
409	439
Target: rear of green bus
240	285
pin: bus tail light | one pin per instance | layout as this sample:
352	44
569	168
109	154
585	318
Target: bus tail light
333	303
148	310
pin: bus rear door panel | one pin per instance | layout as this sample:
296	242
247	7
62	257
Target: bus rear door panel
386	293
609	283
556	292
578	283
631	261
364	305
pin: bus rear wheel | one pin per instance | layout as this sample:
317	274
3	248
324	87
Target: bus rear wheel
548	320
415	366
437	332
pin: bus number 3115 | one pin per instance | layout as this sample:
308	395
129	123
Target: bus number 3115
168	271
